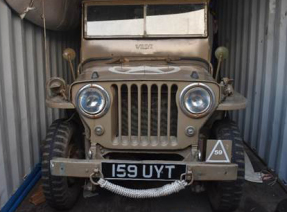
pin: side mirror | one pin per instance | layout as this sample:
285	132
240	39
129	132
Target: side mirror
70	55
221	54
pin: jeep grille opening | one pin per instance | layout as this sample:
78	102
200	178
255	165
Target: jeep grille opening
147	114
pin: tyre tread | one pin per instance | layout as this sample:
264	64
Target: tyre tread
56	188
230	192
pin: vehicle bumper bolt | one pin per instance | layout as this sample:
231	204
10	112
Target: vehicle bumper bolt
90	154
199	155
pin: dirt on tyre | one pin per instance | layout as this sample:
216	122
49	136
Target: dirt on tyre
226	195
63	141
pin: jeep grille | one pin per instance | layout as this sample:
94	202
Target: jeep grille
147	114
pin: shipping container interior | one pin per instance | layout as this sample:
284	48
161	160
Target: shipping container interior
253	31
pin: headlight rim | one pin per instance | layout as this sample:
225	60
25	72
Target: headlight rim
182	102
105	95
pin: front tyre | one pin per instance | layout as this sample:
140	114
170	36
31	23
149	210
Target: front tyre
63	140
226	196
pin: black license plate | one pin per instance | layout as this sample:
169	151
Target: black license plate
140	171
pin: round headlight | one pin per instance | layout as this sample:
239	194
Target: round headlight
93	100
197	100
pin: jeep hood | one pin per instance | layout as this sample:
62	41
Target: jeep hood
147	70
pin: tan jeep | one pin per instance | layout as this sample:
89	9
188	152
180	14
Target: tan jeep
145	105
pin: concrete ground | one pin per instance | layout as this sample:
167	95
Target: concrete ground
257	198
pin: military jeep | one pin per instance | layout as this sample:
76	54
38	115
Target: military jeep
145	104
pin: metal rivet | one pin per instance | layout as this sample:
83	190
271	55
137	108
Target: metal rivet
190	131
99	130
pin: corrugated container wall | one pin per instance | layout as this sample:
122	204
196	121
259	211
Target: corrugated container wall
24	117
255	32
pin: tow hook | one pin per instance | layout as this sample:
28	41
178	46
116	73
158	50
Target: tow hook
188	177
96	174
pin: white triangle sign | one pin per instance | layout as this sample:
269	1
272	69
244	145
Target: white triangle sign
219	152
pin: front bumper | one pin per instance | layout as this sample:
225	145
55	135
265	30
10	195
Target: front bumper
201	171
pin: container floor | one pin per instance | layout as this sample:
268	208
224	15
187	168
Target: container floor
256	198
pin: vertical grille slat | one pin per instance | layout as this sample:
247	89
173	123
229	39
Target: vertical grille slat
158	114
147	114
168	112
139	113
120	114
129	113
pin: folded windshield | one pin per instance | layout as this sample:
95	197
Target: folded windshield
182	20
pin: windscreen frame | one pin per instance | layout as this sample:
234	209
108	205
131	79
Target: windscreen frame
144	36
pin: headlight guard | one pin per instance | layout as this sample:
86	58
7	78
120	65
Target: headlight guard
93	101
197	100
